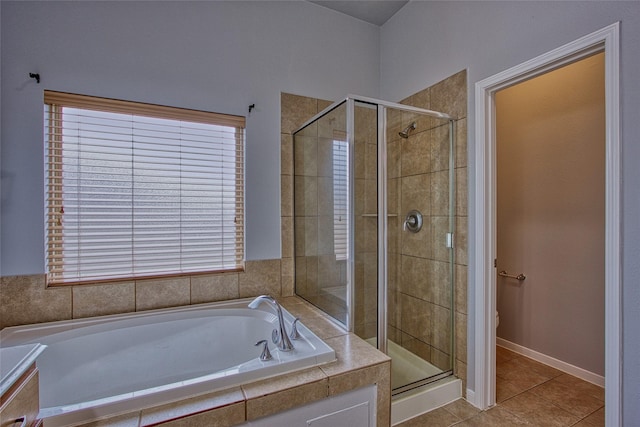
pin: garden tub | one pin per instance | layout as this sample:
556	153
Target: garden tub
98	367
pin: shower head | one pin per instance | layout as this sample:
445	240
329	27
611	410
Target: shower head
405	132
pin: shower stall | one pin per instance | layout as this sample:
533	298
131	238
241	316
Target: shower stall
374	218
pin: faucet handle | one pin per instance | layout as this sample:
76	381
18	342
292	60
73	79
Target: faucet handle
266	354
294	335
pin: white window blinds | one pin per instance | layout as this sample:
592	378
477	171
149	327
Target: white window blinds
137	190
340	198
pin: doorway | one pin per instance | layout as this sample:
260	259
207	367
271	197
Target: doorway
550	201
482	367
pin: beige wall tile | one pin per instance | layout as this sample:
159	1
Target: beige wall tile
286	154
420	99
442	329
417	318
461	143
461	241
416	193
214	287
295	110
439	229
440	185
98	300
440	359
318	323
322	104
286	223
461	288
261	277
288	276
416	346
461	336
415	153
26	299
286	195
161	293
416	244
440	283
440	148
461	192
450	95
310	235
414	272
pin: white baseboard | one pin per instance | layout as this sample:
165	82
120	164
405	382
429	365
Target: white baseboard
553	362
420	401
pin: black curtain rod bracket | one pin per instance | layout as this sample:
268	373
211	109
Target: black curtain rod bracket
35	76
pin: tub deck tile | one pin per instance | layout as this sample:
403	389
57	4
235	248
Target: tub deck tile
225	405
126	420
278	394
352	353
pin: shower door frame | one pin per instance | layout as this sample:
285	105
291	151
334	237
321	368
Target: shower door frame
382	247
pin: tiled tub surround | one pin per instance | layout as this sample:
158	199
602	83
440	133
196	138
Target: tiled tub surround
357	365
26	299
111	364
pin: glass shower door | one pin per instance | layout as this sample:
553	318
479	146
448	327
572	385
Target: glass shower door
373	226
419	254
321	212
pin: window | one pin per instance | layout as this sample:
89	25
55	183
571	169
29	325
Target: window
137	190
340	198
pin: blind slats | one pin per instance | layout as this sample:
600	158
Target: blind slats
137	189
340	199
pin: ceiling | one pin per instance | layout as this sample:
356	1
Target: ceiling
376	12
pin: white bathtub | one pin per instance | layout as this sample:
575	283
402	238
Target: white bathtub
107	365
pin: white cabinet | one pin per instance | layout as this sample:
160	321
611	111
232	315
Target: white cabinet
355	408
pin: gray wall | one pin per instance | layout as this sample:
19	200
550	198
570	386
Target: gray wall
426	41
214	56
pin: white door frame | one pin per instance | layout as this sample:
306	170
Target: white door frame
607	40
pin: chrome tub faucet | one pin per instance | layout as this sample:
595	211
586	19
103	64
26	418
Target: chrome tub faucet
279	336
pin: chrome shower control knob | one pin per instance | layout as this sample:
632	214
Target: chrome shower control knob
413	221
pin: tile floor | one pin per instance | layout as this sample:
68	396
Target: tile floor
528	393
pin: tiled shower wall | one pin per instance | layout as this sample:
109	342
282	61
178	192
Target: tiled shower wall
420	302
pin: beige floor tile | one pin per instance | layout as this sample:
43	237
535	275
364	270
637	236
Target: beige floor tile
462	409
594	420
494	417
569	398
437	418
539	411
504	355
582	386
505	389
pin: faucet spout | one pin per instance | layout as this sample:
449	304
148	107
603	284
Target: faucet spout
283	338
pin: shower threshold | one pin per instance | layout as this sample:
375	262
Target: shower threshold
406	369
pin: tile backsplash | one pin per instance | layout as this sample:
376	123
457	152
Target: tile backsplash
27	299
